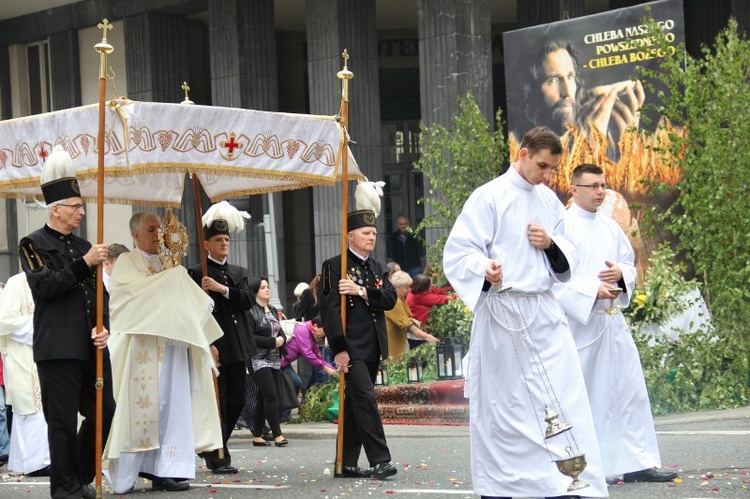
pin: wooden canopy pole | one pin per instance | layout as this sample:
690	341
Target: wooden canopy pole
204	271
103	48
344	75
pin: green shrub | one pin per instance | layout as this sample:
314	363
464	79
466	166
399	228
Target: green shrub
661	295
454	163
317	401
452	320
397	369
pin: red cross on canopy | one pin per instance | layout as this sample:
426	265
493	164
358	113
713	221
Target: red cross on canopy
231	144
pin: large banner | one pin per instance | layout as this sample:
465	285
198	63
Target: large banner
579	78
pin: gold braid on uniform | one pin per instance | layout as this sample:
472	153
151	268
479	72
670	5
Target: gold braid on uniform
32	257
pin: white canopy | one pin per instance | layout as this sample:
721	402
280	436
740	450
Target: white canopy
150	147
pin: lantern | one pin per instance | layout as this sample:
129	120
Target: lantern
381	378
414	370
449	355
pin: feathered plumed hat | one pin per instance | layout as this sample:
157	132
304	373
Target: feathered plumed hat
223	218
58	177
367	197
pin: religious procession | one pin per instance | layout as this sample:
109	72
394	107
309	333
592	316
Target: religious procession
508	359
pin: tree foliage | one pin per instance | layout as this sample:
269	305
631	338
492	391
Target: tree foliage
709	219
455	162
709	223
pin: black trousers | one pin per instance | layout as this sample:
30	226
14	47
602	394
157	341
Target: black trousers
68	387
231	383
267	408
362	424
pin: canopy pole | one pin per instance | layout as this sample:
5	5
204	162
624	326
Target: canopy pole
344	75
103	48
204	271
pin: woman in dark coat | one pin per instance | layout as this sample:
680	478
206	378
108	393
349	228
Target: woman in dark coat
266	364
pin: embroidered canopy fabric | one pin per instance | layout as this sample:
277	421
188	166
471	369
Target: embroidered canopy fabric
150	147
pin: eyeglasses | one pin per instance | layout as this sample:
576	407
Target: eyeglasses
76	207
593	186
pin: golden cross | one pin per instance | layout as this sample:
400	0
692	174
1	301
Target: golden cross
104	26
186	88
345	55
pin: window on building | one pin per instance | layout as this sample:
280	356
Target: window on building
404	185
40	85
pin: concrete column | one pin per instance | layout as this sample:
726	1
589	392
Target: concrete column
533	12
741	11
242	41
332	26
242	45
6	103
66	71
156	57
703	21
454	57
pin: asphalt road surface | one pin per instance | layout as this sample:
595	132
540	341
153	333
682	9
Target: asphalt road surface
711	451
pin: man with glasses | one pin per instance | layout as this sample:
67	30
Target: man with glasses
609	358
503	255
61	271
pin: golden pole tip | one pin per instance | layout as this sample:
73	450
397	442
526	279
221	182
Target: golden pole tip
187	100
345	74
103	47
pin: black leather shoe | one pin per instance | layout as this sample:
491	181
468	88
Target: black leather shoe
383	470
564	497
353	472
649	475
282	443
169	484
264	443
227	469
88	491
3	459
41	472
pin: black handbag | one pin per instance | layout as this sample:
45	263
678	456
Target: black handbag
286	394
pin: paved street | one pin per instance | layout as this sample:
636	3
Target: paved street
711	450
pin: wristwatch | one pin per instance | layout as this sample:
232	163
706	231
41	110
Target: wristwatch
361	291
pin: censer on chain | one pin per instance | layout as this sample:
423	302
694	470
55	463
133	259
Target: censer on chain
574	464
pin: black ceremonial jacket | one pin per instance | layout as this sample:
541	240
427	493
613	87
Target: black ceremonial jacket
64	291
237	344
366	337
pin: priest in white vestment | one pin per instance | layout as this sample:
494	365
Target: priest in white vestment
29	448
609	358
161	332
503	255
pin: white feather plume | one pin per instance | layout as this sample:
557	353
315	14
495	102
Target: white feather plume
59	165
224	211
368	194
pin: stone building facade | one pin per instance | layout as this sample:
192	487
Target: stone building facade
412	59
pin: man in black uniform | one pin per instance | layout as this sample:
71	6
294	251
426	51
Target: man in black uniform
369	294
228	286
61	271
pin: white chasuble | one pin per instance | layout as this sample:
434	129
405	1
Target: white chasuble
162	328
609	358
522	355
